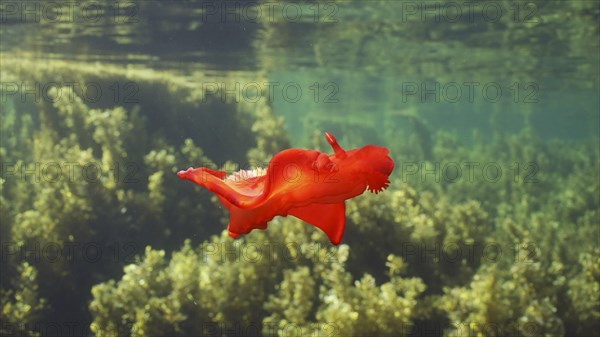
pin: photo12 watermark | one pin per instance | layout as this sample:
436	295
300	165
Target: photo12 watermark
66	329
469	171
269	329
287	92
69	252
53	92
288	12
472	329
91	172
468	12
468	92
291	173
69	11
267	251
459	252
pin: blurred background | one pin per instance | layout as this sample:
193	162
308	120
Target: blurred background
490	110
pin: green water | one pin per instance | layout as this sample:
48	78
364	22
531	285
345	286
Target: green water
490	110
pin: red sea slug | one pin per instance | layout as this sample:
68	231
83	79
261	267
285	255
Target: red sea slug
307	184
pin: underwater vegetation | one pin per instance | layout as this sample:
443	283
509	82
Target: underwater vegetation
532	266
101	177
515	254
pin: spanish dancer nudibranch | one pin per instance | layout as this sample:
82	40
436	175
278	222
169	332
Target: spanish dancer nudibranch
307	184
